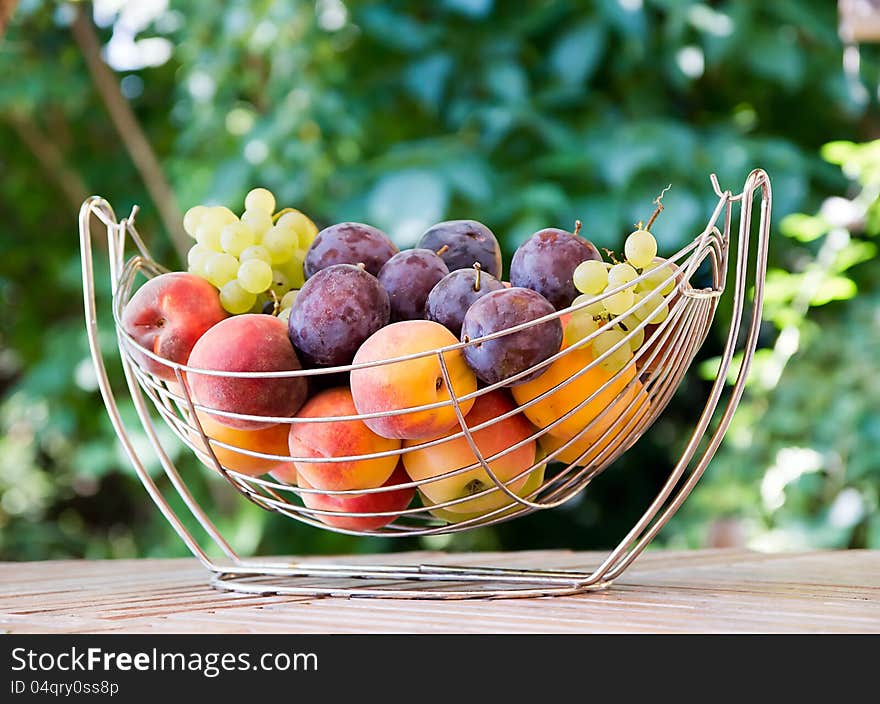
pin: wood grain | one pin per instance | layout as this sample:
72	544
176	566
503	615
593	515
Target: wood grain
664	592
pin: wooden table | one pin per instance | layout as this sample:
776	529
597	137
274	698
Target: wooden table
705	591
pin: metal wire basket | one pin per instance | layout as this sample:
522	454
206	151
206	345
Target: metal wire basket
639	393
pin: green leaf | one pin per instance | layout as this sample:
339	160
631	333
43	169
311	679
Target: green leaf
804	228
834	288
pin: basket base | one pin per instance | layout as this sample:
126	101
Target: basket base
404	582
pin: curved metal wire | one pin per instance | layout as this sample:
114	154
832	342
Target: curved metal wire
641	391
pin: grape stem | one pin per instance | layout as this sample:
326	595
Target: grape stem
276	304
610	254
658	201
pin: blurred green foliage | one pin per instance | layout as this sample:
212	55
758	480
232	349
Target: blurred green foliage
521	115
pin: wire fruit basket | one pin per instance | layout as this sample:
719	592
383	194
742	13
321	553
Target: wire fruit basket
632	398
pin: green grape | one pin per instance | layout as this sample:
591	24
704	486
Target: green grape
208	236
255	276
659	272
288	298
280	283
260	199
661	312
284	315
620	302
617	359
643	311
192	218
640	248
590	277
197	253
281	244
259	221
628	325
293	270
594	309
256	251
305	229
235	299
654	310
221	269
200	266
620	274
235	238
636	338
217	217
579	327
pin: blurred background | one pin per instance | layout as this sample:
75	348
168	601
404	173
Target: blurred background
521	115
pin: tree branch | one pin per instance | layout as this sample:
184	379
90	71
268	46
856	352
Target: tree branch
7	7
50	159
130	131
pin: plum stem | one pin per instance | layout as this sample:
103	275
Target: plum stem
477	277
577	227
440	252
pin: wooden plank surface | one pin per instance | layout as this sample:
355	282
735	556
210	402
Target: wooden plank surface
705	591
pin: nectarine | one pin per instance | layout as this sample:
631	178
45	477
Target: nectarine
167	315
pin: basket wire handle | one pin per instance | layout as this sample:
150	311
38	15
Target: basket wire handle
116	233
613	566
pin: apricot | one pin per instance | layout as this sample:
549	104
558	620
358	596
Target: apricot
375	502
167	315
339	438
588	444
437	460
269	441
413	383
557	404
247	343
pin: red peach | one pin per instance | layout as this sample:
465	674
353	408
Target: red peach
339	438
167	315
376	502
247	343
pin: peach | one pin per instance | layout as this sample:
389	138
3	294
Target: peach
339	438
167	315
247	343
557	404
435	461
534	479
413	383
269	441
286	474
376	502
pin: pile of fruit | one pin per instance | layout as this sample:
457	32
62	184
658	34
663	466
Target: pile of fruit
268	293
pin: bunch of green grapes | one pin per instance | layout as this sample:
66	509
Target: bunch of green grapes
252	259
593	277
